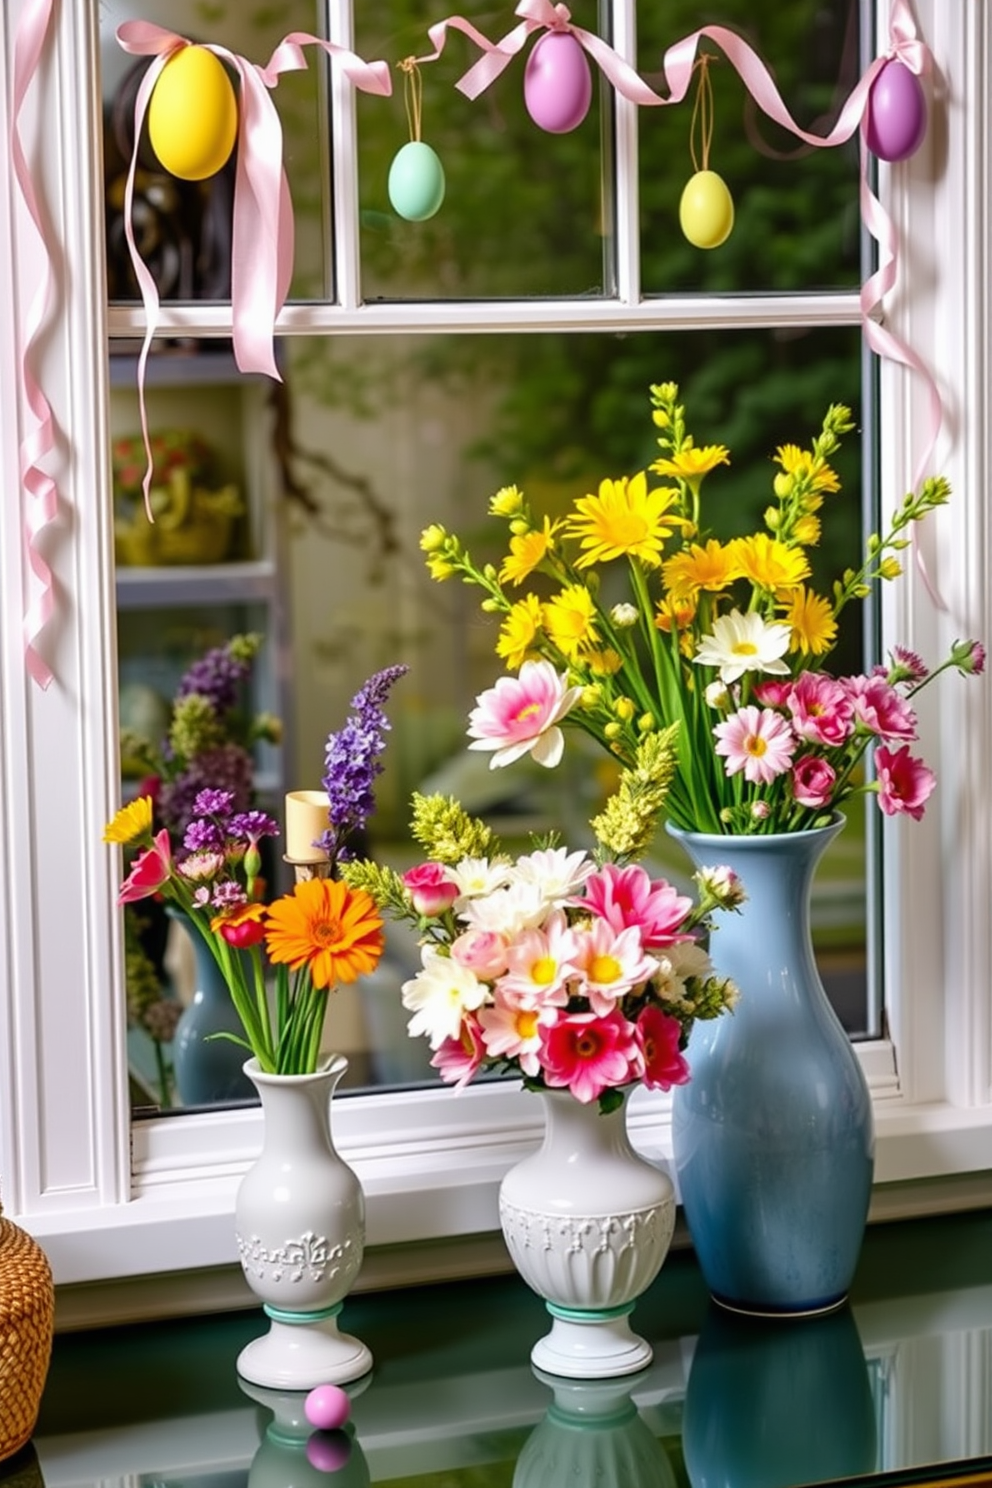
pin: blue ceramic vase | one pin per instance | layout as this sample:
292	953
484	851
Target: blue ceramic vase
208	1071
773	1135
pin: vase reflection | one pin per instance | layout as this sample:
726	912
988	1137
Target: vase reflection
592	1433
771	1404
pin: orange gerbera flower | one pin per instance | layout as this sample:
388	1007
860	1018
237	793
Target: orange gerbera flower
331	929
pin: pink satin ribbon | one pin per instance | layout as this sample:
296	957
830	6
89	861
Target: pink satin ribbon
39	498
262	229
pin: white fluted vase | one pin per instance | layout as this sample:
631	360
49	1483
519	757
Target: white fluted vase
588	1223
300	1222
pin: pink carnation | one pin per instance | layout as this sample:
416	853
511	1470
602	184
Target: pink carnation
904	783
822	710
589	1054
880	709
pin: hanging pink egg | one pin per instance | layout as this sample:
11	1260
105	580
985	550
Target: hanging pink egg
557	83
897	113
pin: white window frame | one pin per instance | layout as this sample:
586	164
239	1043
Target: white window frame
110	1199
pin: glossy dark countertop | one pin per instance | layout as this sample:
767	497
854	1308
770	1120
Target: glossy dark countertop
900	1378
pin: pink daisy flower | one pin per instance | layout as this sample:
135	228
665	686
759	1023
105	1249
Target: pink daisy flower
539	963
904	783
457	1059
611	963
628	896
588	1055
658	1036
513	1032
520	715
757	741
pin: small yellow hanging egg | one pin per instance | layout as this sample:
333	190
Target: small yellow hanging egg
193	115
706	211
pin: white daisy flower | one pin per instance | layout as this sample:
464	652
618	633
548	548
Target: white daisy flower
439	995
740	643
519	906
558	873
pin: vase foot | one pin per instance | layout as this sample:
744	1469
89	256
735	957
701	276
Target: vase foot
762	1310
301	1351
591	1345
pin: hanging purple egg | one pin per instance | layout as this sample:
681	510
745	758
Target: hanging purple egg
897	113
557	83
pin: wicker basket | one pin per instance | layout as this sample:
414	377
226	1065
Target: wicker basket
27	1317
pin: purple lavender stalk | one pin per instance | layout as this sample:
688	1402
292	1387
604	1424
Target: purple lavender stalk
351	762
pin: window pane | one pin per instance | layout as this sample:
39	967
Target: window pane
522	212
183	227
796	222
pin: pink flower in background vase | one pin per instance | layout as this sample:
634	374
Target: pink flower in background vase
520	715
904	783
880	709
431	889
757	741
822	710
813	781
150	872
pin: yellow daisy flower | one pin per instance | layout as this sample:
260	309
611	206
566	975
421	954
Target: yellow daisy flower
133	820
519	632
770	564
527	551
603	663
712	567
691	463
814	629
624	520
570	620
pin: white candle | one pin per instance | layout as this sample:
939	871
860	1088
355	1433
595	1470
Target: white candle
306	820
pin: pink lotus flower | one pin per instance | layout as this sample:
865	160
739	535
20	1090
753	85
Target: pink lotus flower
813	781
757	741
482	952
904	783
628	896
588	1055
658	1037
510	1031
430	888
822	710
150	872
457	1059
520	715
880	709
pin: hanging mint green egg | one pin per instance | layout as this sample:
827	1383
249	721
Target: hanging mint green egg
416	182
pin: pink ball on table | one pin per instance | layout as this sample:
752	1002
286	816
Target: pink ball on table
327	1407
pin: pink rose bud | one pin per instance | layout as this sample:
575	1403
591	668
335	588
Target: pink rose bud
430	888
482	952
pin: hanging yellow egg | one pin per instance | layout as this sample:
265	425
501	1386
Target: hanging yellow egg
706	211
193	115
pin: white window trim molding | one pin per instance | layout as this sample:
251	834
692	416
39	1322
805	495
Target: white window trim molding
110	1200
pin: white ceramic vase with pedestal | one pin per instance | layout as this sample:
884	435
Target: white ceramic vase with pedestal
588	1223
300	1221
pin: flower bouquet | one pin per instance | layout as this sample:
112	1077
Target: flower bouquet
725	640
573	974
323	932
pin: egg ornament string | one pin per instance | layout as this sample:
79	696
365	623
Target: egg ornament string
706	209
416	182
557	83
